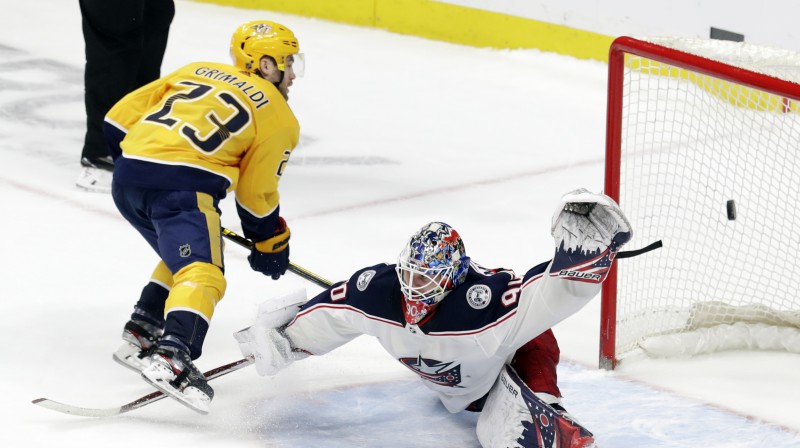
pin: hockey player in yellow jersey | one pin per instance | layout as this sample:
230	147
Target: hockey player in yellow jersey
180	144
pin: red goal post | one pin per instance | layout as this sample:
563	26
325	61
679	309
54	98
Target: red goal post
697	129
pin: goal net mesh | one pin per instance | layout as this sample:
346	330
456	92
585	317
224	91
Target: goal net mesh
711	168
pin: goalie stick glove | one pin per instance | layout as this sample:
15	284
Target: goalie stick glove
588	230
264	341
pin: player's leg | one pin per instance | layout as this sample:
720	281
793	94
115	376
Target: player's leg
113	45
513	416
146	325
158	15
190	243
536	362
536	365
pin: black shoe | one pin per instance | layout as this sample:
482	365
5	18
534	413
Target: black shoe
103	163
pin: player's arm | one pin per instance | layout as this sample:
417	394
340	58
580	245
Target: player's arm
290	328
588	229
257	201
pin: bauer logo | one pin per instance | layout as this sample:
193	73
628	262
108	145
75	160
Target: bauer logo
508	385
578	274
185	250
479	296
364	279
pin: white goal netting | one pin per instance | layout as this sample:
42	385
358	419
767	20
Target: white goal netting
711	168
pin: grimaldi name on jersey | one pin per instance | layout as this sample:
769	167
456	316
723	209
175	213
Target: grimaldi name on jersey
257	96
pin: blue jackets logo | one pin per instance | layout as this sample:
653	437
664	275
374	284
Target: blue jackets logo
437	372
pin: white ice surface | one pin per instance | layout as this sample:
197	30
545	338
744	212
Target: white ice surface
396	131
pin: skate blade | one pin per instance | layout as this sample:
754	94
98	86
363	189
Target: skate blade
194	403
127	355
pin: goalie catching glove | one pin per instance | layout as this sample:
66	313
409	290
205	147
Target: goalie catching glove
588	229
271	256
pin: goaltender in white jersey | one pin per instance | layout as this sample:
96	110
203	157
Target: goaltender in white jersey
488	347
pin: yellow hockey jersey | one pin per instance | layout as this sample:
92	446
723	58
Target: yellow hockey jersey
206	127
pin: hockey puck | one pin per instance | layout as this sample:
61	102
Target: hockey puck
731	205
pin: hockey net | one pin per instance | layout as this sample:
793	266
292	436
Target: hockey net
703	153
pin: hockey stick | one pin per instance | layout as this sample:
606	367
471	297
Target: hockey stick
135	404
302	272
637	252
210	375
227	368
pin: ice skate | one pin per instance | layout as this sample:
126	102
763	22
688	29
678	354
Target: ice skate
138	343
171	371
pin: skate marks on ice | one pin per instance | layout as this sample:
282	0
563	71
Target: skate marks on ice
41	106
405	413
40	92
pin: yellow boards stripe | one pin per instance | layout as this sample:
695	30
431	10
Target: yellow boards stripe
443	21
459	24
735	94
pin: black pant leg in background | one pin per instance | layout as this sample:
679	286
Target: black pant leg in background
158	16
125	42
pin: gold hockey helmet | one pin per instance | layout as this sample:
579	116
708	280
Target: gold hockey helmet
260	38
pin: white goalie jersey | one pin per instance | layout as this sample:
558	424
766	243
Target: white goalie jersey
460	348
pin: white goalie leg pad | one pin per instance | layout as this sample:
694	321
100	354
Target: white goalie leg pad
501	421
264	341
513	416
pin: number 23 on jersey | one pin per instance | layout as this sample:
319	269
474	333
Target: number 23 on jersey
206	133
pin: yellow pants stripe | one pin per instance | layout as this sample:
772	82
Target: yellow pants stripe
206	205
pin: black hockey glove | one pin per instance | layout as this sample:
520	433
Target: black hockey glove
271	256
